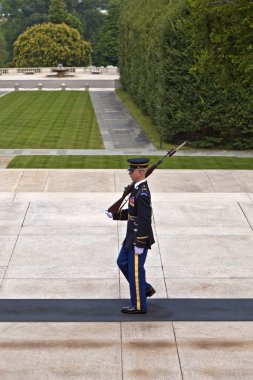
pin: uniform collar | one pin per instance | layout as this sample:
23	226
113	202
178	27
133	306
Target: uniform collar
138	183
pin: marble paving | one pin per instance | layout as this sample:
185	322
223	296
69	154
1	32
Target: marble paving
57	243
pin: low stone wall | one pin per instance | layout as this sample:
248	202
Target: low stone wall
35	70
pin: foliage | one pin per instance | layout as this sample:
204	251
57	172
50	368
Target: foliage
163	69
225	44
91	18
83	15
3	50
50	44
89	13
22	14
57	14
106	48
74	22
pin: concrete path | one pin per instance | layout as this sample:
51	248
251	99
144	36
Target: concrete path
118	128
57	244
4	160
119	152
2	93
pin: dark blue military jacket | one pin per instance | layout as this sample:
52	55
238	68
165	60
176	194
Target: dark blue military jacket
138	214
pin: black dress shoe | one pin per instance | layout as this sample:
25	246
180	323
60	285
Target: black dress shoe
132	310
150	292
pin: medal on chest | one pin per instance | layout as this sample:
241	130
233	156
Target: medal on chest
131	201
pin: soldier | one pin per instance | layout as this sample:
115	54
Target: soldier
139	238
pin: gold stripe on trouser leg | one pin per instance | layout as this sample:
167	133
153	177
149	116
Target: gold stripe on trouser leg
137	287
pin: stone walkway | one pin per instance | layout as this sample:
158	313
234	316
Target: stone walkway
126	151
4	160
118	128
57	243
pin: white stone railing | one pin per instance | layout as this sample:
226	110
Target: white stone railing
37	70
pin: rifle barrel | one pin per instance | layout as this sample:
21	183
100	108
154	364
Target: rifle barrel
116	206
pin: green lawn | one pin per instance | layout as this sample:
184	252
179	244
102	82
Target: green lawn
119	162
48	119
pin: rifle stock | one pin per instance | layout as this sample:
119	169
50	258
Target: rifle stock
116	206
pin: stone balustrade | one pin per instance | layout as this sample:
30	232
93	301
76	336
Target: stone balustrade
46	70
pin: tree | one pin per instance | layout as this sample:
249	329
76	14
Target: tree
3	51
83	15
49	44
22	14
57	14
74	22
91	17
106	47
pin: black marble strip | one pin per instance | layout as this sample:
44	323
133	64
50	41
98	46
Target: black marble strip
108	310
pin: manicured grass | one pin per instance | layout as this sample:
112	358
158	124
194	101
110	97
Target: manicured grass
48	119
144	121
119	162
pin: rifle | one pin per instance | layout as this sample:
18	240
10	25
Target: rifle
128	189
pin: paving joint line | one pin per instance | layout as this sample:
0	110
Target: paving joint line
18	181
245	215
18	235
211	183
121	351
47	182
12	252
14	196
236	181
179	360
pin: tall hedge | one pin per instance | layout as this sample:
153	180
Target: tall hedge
188	65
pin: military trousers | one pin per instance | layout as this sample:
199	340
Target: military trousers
132	267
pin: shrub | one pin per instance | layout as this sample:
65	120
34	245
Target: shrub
49	44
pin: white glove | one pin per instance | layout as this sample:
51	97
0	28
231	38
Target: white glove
138	250
109	214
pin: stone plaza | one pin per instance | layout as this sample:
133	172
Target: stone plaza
57	243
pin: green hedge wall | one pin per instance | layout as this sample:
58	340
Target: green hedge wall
177	65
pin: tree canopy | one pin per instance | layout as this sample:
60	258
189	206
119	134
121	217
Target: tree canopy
21	14
58	14
83	15
106	48
49	44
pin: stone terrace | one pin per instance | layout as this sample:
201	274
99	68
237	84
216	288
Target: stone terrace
57	243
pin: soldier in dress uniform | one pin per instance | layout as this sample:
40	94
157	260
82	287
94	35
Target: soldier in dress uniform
139	238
